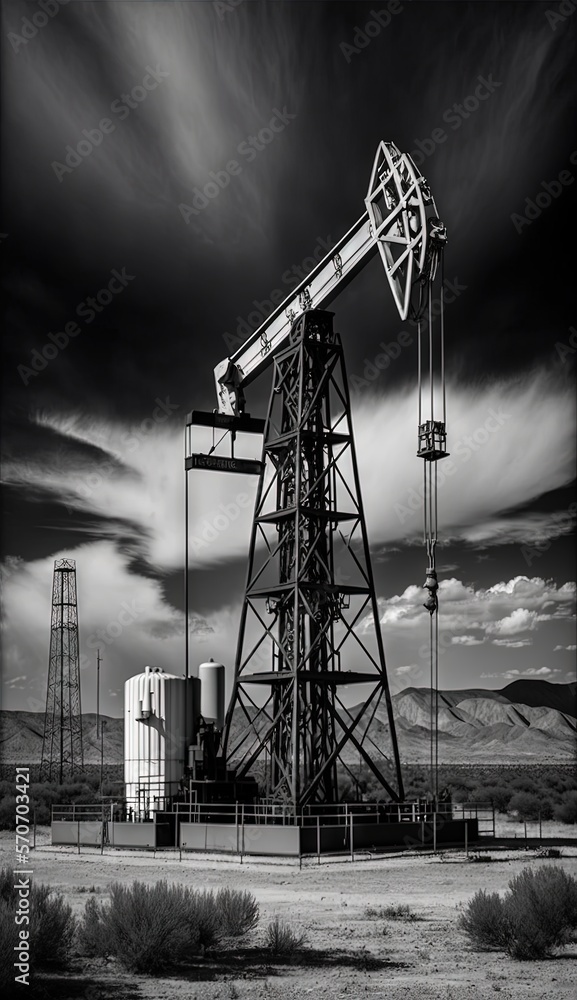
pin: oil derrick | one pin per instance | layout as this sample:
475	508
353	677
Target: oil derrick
62	752
310	674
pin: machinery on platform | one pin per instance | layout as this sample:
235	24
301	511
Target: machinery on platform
310	675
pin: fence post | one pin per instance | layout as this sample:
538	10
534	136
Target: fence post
525	825
435	831
242	831
352	836
78	836
236	823
540	829
318	840
466	839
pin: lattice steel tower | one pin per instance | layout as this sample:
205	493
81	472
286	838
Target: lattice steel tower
62	752
310	637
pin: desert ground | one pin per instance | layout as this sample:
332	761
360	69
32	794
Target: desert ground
350	953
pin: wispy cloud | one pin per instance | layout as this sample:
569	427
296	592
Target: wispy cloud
133	479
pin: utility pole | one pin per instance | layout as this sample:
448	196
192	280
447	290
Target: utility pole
102	725
97	691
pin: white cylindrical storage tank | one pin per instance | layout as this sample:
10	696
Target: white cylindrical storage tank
211	676
154	738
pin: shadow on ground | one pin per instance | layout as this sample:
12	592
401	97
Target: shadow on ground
241	963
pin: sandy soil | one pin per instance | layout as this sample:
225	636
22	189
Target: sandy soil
349	953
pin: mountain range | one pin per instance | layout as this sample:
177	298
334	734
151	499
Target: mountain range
530	721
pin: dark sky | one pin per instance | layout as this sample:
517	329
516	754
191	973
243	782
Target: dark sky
161	97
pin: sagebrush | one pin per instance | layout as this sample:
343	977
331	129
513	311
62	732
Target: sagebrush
282	939
51	927
399	911
536	916
238	911
149	928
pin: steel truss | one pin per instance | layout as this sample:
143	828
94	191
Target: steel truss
309	636
62	750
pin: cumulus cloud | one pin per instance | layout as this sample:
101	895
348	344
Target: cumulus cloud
514	674
529	672
571	648
520	620
500	613
512	643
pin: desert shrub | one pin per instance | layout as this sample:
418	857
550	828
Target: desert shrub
205	919
8	813
282	940
526	805
537	915
93	934
523	783
497	795
149	928
7	885
8	937
51	927
460	786
541	911
400	911
566	811
484	921
238	911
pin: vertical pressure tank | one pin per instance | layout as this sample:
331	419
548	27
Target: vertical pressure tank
155	738
211	676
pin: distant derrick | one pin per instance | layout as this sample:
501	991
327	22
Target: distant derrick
62	750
